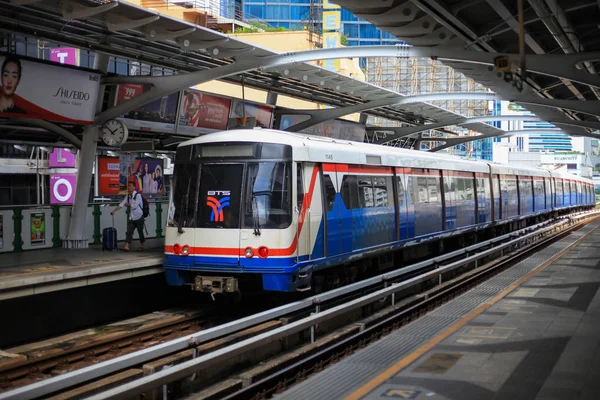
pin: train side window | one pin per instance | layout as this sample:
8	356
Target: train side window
382	191
450	188
329	192
433	186
460	189
365	192
350	192
487	188
411	189
400	191
422	187
469	189
299	186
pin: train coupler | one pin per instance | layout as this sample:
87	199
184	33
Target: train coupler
215	284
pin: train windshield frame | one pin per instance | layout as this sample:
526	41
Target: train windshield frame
233	186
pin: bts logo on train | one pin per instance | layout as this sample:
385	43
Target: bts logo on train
217	205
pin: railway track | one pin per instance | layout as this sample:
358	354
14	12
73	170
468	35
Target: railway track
296	338
23	365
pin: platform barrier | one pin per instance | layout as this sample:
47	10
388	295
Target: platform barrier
41	227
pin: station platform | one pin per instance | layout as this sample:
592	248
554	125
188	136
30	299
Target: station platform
47	270
530	332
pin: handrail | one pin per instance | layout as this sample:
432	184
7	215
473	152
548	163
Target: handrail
57	383
95	203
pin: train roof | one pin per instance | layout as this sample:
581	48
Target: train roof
324	149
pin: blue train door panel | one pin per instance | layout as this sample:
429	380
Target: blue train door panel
333	209
428	204
548	193
449	199
483	198
402	202
368	195
525	195
497	194
558	193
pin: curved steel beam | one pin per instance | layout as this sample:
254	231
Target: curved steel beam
464	139
49	126
410	130
556	65
591	107
164	85
318	116
581	124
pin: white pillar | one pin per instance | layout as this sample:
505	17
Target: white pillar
77	237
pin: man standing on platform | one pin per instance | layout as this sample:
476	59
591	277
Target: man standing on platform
136	215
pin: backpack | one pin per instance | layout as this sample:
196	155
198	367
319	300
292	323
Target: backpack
145	206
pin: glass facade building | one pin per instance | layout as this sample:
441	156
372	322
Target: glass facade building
298	14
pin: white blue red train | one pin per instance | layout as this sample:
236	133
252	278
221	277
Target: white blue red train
269	210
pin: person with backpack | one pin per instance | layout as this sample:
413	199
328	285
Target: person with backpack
137	212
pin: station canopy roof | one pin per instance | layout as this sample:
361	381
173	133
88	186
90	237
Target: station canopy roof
551	26
85	24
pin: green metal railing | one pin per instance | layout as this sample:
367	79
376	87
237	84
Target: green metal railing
56	239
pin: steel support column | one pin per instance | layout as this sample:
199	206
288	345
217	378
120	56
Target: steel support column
77	237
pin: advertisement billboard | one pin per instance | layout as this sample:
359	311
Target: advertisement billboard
156	116
148	176
261	112
202	113
146	173
62	188
337	128
38	229
108	176
44	91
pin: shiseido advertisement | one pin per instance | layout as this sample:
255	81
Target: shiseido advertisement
47	91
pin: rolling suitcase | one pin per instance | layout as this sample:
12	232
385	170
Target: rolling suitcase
109	237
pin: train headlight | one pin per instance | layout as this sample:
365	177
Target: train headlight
249	252
263	252
177	249
185	250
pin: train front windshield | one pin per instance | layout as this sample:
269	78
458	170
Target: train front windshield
232	192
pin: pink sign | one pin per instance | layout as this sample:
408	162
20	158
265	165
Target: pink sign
62	158
64	55
62	188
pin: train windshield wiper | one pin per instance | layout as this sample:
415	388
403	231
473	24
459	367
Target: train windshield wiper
255	215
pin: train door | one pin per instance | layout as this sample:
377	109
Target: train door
402	202
334	209
449	199
309	208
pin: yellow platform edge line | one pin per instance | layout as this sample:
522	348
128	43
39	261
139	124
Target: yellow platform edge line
424	348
